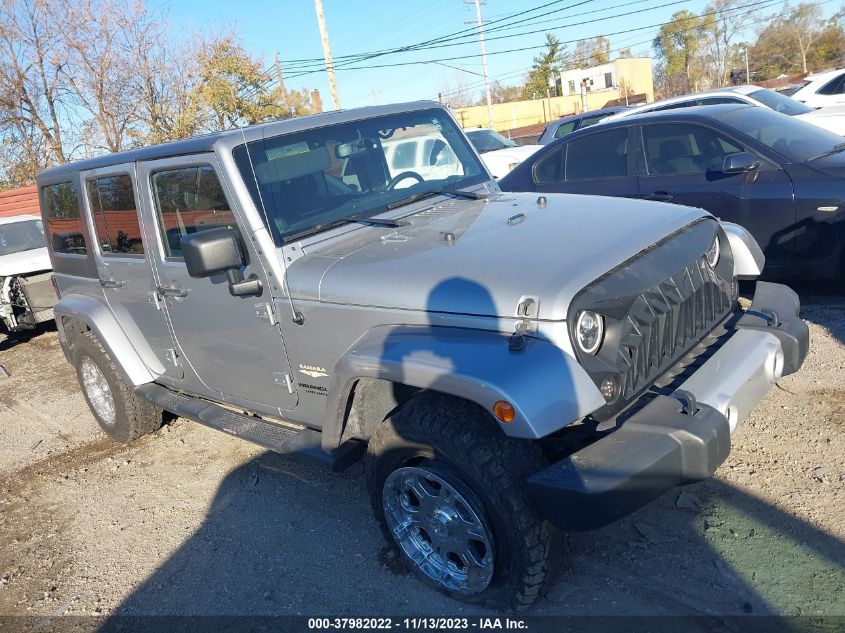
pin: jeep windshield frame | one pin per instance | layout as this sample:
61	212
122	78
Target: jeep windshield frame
314	180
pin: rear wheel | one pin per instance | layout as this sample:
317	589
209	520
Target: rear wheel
119	412
449	492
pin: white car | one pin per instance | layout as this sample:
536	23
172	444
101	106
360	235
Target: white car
499	154
832	120
26	276
823	90
428	155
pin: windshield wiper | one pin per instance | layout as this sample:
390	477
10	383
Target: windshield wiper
422	195
325	226
836	149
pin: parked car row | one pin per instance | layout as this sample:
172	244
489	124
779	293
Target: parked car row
752	159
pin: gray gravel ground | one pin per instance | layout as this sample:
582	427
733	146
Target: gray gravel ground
191	521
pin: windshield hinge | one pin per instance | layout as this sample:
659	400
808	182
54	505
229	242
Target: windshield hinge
266	311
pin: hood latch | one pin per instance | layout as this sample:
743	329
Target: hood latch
527	311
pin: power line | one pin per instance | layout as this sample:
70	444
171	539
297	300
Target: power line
757	3
767	3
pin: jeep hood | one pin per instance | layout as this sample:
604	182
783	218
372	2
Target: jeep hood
24	262
481	257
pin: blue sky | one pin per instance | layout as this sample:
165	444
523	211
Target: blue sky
356	26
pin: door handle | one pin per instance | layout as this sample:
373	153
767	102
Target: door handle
112	283
165	291
661	196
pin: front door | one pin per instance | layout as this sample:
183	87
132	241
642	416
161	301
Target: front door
683	165
123	264
230	346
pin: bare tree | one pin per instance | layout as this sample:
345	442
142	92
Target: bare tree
101	67
35	98
804	23
723	23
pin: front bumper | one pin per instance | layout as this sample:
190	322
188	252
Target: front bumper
679	438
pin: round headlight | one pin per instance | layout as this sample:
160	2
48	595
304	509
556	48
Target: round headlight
713	252
589	330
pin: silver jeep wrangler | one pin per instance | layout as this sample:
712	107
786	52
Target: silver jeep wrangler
504	363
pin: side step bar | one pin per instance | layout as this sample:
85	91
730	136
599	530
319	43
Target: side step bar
273	436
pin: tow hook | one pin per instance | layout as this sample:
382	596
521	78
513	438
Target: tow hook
690	406
771	317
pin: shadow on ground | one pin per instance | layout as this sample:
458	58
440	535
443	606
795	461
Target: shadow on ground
280	539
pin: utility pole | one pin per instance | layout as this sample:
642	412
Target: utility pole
480	24
747	71
279	76
327	53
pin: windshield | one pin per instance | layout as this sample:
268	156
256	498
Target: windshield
489	141
21	236
798	140
779	103
321	176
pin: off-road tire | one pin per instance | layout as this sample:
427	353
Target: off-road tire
437	431
133	417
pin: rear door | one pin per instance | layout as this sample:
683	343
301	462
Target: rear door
597	163
230	346
682	163
123	263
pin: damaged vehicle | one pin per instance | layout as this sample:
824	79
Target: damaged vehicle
507	365
27	295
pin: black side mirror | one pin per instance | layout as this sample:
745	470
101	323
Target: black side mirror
216	251
740	162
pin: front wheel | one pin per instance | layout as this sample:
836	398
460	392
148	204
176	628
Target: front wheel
448	489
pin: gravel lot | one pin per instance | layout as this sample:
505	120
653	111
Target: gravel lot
191	521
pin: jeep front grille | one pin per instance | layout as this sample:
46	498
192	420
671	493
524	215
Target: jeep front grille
656	306
666	321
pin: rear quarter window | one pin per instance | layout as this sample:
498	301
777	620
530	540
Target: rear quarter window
64	223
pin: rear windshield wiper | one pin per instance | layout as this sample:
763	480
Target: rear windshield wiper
836	148
422	195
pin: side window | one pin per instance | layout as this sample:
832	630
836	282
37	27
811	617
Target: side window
833	87
587	121
564	128
718	100
550	167
112	201
601	155
671	106
188	200
64	224
685	149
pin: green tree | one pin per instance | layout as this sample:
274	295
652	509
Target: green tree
677	45
233	88
798	41
546	64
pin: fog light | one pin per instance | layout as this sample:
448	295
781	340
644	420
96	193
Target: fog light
608	388
504	411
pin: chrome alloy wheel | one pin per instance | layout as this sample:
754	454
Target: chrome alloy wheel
439	529
97	390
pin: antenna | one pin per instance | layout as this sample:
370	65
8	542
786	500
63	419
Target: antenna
298	318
